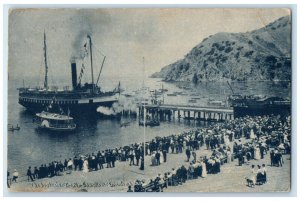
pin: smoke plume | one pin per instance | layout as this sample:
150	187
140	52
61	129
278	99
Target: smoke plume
124	104
106	110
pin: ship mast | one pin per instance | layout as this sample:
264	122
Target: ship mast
100	70
91	53
46	65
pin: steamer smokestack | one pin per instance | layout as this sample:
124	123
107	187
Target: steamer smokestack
74	74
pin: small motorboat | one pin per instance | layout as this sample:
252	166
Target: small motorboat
150	123
125	124
129	94
12	128
55	122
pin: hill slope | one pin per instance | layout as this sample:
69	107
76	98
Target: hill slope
262	54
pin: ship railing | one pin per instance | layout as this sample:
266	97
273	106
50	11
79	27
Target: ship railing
48	96
45	98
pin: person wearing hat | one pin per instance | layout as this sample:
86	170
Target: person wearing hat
15	176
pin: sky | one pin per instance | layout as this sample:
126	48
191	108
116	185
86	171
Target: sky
124	36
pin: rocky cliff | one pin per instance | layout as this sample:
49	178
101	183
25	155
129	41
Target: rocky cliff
262	54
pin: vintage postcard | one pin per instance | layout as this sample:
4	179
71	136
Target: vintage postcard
149	100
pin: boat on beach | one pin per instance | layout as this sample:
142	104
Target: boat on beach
55	122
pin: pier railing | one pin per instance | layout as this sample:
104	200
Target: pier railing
190	112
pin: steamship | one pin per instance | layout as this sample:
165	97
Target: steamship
258	105
81	99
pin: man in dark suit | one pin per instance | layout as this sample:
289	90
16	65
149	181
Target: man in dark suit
80	164
157	156
262	151
75	162
137	156
278	155
142	163
188	154
29	174
41	172
113	158
36	173
164	151
46	171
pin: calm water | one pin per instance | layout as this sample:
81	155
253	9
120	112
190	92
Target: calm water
29	147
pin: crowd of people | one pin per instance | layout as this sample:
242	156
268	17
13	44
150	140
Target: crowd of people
196	169
252	139
87	163
261	134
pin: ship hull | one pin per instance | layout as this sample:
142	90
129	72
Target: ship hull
74	109
75	106
57	129
260	110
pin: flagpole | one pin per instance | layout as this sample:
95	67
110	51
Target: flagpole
144	114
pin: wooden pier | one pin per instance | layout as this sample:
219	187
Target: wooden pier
169	112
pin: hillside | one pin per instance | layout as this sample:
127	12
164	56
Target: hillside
262	54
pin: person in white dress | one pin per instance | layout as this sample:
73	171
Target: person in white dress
256	153
252	135
226	140
252	175
204	172
184	145
153	159
70	166
85	168
229	156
